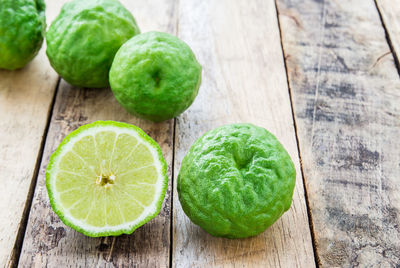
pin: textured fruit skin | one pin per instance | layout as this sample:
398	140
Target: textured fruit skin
59	150
155	76
236	181
83	39
22	27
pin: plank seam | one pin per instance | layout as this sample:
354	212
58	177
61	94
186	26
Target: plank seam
16	252
171	227
309	214
388	40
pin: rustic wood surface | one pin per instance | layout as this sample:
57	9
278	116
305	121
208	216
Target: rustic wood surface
390	12
24	106
26	96
346	93
319	74
48	242
236	44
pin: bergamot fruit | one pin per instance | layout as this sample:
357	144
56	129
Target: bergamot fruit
22	27
236	181
107	178
83	39
155	76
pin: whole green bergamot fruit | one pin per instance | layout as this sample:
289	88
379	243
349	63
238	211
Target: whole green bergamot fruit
22	27
155	76
236	181
83	39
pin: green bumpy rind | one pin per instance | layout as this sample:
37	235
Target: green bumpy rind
155	76
83	39
60	148
236	181
22	27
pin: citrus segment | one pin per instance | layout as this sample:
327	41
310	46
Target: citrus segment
74	164
65	179
120	154
144	174
85	149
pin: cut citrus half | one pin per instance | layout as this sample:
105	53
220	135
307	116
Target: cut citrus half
107	178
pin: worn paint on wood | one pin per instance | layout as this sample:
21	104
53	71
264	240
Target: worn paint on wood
48	242
26	96
244	80
390	12
346	95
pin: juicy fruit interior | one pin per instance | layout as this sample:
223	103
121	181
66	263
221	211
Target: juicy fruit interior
106	179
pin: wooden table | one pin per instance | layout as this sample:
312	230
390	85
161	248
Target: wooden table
323	76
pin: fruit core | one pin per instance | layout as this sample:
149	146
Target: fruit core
105	180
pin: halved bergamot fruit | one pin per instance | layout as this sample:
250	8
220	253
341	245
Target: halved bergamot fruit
107	178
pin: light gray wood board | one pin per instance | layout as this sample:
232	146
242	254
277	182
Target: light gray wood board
48	242
346	94
244	80
26	96
390	13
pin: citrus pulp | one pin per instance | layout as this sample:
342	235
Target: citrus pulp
106	178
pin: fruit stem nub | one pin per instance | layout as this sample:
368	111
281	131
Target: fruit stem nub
156	77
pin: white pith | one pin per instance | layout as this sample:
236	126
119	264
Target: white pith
148	210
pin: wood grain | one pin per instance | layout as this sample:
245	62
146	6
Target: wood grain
346	95
244	80
390	12
48	242
26	96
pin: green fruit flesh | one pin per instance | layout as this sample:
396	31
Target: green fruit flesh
155	76
236	181
107	178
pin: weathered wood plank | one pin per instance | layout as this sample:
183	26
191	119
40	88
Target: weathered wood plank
48	242
346	95
26	96
390	12
244	80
